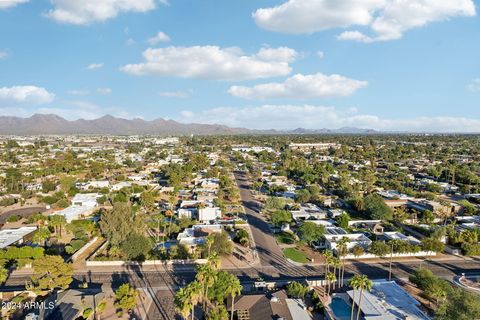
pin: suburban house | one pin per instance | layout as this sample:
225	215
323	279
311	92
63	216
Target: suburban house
191	237
269	306
308	211
15	236
387	301
82	205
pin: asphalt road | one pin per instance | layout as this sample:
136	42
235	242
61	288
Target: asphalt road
23	212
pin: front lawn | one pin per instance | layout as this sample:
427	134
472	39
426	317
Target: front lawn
295	255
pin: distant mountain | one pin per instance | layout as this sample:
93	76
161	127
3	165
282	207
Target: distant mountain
53	124
344	130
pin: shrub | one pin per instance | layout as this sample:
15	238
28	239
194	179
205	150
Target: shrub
14	218
87	313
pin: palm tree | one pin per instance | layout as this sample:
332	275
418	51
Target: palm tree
336	266
328	259
330	277
234	289
396	245
342	250
183	302
361	282
214	262
206	275
194	293
209	242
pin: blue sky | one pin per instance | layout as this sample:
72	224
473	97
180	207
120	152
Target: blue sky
382	64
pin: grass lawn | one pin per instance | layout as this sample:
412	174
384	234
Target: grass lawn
295	255
285	238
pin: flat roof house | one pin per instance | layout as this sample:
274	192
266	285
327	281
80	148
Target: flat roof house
387	301
10	237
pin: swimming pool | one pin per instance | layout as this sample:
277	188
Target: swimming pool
340	308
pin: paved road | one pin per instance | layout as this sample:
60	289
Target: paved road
268	250
23	212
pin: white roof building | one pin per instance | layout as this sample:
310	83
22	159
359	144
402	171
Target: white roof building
209	214
190	236
355	240
393	235
388	301
14	236
83	205
308	210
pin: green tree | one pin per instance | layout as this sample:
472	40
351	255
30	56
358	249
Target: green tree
343	220
118	223
126	297
280	217
41	235
218	313
379	248
376	208
234	289
459	305
221	245
147	200
296	290
432	244
136	247
51	272
3	274
57	222
310	232
206	275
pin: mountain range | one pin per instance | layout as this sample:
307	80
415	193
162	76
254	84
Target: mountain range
39	124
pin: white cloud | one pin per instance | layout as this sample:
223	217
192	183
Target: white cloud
387	19
3	54
78	92
159	37
130	42
287	117
321	54
86	12
301	86
355	36
176	94
94	66
5	4
25	94
104	91
213	62
474	86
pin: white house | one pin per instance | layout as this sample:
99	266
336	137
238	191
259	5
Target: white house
209	214
83	204
10	237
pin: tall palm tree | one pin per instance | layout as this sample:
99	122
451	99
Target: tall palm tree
336	266
330	278
361	282
234	289
342	249
214	261
194	293
206	275
183	302
209	242
396	245
328	259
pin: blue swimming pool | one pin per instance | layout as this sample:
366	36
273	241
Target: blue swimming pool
340	308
